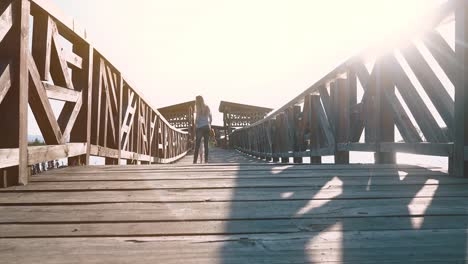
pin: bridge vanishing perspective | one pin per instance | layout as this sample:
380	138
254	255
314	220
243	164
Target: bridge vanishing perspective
258	202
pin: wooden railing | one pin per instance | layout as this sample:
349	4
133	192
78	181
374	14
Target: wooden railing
328	119
44	56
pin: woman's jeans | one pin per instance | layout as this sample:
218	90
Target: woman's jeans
205	133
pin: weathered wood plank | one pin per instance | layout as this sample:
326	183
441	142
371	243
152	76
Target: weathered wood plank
328	246
366	147
442	52
215	183
9	157
6	22
72	59
104	152
418	108
41	107
435	149
5	82
458	163
232	227
325	121
60	93
45	153
327	188
58	64
227	210
163	174
431	84
24	91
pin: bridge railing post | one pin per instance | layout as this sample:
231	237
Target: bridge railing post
342	117
458	164
294	129
315	136
385	130
275	147
14	80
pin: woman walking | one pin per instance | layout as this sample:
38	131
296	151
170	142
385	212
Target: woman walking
203	126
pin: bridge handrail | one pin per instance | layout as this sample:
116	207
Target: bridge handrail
45	55
327	119
435	19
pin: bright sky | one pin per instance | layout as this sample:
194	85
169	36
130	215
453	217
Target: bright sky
261	52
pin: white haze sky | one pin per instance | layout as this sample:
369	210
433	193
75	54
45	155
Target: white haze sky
261	52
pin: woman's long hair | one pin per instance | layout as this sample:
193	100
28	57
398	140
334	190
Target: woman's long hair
200	107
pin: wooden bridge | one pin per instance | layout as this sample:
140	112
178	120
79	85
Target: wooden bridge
258	202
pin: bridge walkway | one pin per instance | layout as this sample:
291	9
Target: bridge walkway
236	209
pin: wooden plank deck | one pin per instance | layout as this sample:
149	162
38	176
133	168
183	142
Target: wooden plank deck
236	210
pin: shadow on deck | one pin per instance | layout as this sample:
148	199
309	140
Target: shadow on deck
236	210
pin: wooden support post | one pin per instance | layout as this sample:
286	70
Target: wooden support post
14	106
294	124
275	147
83	80
385	129
269	139
342	118
284	138
458	164
313	122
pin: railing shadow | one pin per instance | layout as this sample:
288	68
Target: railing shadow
405	217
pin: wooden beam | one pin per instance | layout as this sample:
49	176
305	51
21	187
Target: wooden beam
80	80
9	157
432	149
402	120
364	147
68	117
60	93
342	118
323	120
6	22
23	169
458	165
89	85
42	44
311	125
104	152
14	106
431	84
72	59
41	108
415	103
59	65
5	82
40	154
385	123
368	104
442	53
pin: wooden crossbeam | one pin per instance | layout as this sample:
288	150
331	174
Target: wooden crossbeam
6	22
324	122
61	93
111	105
129	116
5	82
72	59
60	75
415	103
442	53
41	108
69	115
402	120
431	84
39	154
112	80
